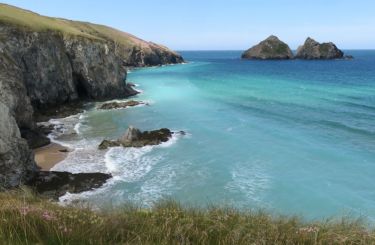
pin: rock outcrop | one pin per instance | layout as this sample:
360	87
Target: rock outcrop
120	105
48	62
56	184
311	50
16	160
133	137
270	49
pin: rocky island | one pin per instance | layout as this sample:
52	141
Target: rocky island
47	63
312	50
270	49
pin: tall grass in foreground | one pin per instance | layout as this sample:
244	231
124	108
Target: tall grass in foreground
26	219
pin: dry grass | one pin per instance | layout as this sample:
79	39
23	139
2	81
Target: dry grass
26	219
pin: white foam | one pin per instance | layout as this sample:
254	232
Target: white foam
249	179
125	164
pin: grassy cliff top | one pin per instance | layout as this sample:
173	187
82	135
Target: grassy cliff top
21	18
26	219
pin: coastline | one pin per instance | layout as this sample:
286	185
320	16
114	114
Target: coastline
48	156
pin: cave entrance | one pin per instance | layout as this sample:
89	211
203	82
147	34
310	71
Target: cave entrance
81	87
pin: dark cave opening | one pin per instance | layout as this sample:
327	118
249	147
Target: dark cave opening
81	87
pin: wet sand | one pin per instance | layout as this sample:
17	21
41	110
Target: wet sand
48	156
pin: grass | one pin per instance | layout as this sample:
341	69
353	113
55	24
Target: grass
27	219
27	20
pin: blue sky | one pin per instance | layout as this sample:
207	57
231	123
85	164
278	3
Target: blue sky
224	24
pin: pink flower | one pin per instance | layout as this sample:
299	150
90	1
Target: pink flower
48	216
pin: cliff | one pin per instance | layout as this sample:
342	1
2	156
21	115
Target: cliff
311	49
47	62
270	49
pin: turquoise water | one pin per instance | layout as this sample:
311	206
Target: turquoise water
293	137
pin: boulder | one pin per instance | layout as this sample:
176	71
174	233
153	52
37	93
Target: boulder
270	49
311	50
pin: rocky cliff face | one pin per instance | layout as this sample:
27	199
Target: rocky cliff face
16	160
47	62
311	49
270	49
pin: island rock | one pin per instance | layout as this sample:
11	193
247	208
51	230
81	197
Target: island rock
311	50
270	49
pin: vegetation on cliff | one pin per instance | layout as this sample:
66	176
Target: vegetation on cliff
26	219
28	20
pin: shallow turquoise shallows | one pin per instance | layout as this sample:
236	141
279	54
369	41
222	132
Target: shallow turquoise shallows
293	137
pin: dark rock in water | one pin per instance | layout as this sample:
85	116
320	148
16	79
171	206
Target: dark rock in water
107	144
56	184
348	57
130	84
270	49
132	134
118	105
64	150
311	49
133	137
182	132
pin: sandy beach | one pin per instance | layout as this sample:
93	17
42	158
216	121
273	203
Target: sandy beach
48	156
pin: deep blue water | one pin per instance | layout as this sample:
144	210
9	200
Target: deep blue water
293	137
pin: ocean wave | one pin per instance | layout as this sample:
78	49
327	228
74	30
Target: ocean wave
249	179
124	164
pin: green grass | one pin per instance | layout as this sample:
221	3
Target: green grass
26	219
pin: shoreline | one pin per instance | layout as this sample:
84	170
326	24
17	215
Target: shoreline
48	156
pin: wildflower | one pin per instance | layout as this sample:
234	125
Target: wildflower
308	229
48	216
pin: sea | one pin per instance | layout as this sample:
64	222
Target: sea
292	137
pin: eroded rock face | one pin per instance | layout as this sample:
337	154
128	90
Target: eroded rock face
45	68
311	50
133	137
56	184
270	49
16	160
120	105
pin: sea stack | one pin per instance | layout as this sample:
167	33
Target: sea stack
311	50
270	49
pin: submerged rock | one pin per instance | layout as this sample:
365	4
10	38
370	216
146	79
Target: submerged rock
270	49
56	184
311	50
133	137
119	105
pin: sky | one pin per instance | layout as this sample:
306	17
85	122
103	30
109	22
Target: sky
223	24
